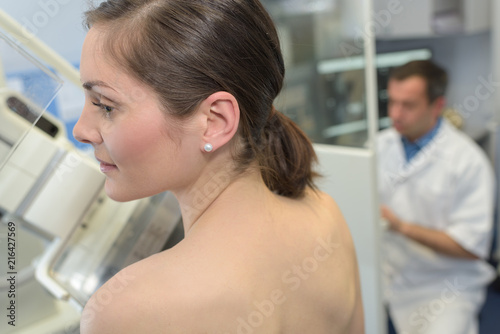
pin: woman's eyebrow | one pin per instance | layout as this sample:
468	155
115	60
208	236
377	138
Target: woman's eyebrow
91	84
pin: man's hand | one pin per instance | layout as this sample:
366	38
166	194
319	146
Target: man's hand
395	223
434	239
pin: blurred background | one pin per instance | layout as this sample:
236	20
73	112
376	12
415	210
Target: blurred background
338	54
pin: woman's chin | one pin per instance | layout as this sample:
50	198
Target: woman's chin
122	194
118	195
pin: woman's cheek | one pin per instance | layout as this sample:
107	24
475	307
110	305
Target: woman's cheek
139	145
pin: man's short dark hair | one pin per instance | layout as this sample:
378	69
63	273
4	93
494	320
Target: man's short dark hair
435	76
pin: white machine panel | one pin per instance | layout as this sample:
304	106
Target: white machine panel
73	179
349	177
34	154
14	185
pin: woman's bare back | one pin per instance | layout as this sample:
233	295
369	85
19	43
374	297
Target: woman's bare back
290	269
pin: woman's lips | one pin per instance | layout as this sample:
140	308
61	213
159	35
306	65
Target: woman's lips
106	167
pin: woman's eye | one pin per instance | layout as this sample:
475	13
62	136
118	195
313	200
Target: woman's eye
105	108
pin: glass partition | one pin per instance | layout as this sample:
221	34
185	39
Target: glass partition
323	46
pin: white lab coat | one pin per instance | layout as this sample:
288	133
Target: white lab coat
448	185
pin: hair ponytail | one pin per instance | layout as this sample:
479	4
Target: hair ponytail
286	157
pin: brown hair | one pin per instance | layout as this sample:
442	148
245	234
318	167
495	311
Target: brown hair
188	50
434	76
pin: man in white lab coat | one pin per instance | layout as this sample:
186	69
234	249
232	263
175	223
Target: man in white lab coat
437	192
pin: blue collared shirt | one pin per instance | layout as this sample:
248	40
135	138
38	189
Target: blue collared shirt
412	148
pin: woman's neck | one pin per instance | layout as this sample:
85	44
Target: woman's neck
218	192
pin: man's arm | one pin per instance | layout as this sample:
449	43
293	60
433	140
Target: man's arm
437	240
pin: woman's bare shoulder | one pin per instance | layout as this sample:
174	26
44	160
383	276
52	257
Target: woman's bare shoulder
115	307
157	295
321	198
326	208
124	304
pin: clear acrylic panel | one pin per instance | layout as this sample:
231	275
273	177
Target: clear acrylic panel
27	88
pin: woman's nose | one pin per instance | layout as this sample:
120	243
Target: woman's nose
86	129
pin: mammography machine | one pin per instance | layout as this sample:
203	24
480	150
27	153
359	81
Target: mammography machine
61	236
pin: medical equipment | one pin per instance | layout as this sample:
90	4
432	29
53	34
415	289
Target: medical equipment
68	233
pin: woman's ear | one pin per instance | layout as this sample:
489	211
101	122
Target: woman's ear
222	115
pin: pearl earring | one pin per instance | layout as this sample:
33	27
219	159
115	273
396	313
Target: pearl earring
208	147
